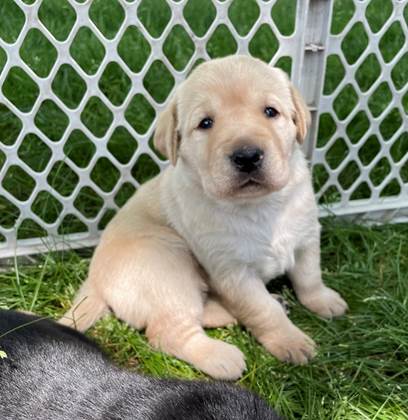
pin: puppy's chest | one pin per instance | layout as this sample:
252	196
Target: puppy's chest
266	245
270	251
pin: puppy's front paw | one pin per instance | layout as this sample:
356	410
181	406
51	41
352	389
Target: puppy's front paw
222	361
290	344
325	302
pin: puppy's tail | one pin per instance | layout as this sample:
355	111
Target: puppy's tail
87	308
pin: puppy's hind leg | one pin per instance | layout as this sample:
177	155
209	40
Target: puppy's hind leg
185	339
175	300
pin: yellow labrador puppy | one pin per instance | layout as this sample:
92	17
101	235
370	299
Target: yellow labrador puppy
196	245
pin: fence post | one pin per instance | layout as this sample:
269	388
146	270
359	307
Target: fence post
313	20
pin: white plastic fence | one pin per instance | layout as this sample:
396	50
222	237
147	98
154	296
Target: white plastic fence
363	161
64	172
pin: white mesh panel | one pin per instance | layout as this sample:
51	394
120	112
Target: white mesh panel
78	198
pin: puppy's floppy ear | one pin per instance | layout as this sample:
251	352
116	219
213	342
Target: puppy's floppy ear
301	117
166	138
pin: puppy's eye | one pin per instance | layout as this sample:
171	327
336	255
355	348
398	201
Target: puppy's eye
206	123
271	112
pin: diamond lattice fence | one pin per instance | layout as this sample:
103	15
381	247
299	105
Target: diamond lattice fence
81	85
360	158
82	82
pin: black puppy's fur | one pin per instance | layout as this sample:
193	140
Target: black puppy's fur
53	372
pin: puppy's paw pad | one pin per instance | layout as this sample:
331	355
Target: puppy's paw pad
291	346
224	361
282	301
325	302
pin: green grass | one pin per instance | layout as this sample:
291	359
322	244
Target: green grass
360	371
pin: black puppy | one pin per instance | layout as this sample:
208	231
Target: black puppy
53	372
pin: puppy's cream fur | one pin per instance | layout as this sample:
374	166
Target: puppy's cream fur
196	245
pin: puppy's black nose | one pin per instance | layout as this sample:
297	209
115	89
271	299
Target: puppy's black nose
247	159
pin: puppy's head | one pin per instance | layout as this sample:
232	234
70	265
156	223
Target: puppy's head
234	122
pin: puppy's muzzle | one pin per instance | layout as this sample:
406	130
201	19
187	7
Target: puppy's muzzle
247	159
